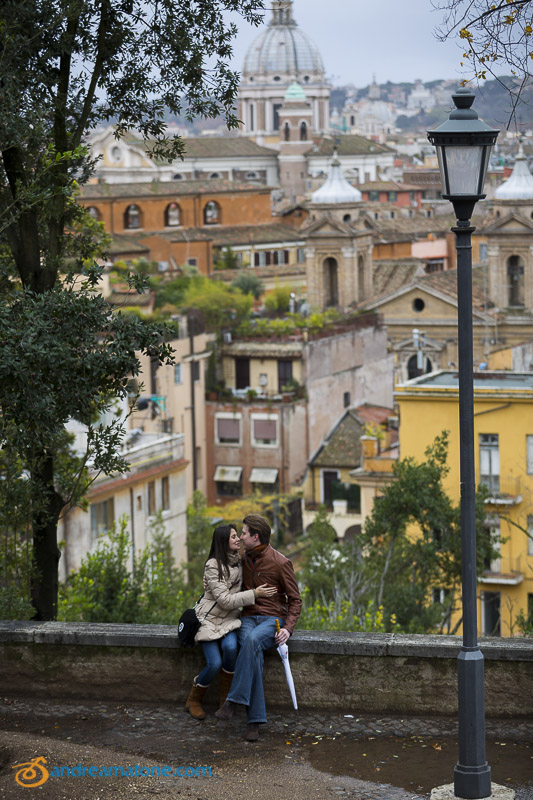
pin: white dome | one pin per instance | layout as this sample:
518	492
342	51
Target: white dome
336	189
283	48
519	185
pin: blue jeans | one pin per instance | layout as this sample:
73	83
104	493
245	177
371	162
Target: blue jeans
255	635
218	653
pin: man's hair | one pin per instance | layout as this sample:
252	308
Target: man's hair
258	524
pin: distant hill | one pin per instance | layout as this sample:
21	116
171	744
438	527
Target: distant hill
494	103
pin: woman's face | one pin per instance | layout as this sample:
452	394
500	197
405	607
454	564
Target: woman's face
234	543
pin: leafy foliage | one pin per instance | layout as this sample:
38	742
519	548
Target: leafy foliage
219	305
105	589
248	283
412	542
496	37
65	68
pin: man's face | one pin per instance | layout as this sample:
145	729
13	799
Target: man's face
249	540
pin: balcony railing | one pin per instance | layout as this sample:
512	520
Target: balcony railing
503	571
502	490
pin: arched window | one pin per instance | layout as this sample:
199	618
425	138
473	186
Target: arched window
352	120
214	175
251	176
331	282
303	132
515	280
287	131
93	212
178	177
347	218
172	215
132	217
211	213
412	367
116	153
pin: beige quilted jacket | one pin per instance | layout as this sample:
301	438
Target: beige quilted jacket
224	616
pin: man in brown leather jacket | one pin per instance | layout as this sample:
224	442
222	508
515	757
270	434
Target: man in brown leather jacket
261	564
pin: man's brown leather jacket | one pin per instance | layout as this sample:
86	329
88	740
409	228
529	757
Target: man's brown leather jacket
261	565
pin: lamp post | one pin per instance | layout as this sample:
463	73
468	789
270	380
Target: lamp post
463	146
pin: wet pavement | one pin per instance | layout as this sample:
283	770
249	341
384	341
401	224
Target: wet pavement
300	755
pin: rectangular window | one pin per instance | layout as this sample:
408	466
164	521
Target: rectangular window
102	517
393	196
530	535
529	454
284	374
151	498
196	370
177	373
199	471
489	461
192	262
264	430
483	251
491	613
165	493
373	197
228	429
300	255
229	488
242	373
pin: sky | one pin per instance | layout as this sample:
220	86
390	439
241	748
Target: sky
391	39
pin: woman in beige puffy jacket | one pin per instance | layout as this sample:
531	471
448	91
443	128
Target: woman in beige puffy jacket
219	613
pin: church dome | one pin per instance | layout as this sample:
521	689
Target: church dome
519	185
336	189
283	48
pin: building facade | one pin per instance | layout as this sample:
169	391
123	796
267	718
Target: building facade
503	429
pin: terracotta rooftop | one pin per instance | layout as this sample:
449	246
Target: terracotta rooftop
212	146
342	447
347	145
387	186
174	189
392	275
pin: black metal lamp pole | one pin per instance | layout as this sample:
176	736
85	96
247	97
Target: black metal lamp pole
463	145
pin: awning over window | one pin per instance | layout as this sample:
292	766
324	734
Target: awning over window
228	474
263	475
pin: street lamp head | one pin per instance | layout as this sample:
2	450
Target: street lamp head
463	146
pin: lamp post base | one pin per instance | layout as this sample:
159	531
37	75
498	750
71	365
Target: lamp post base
447	792
472	782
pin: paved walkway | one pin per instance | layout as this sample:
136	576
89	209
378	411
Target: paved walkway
301	756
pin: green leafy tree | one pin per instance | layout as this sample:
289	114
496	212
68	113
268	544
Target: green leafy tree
248	283
109	588
412	542
65	68
226	259
219	305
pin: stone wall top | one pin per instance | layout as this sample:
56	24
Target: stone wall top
312	642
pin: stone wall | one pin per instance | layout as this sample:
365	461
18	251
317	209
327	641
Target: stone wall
346	672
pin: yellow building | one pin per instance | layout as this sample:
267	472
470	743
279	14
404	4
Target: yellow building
503	423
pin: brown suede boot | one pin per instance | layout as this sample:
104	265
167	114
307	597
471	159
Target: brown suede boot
193	703
252	732
226	711
224	686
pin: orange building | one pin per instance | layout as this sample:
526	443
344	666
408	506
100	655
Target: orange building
174	222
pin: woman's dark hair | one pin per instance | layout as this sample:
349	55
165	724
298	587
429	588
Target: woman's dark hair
219	548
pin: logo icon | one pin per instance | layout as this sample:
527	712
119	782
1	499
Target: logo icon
31	773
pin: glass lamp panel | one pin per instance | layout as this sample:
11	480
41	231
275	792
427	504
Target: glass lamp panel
443	177
464	166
